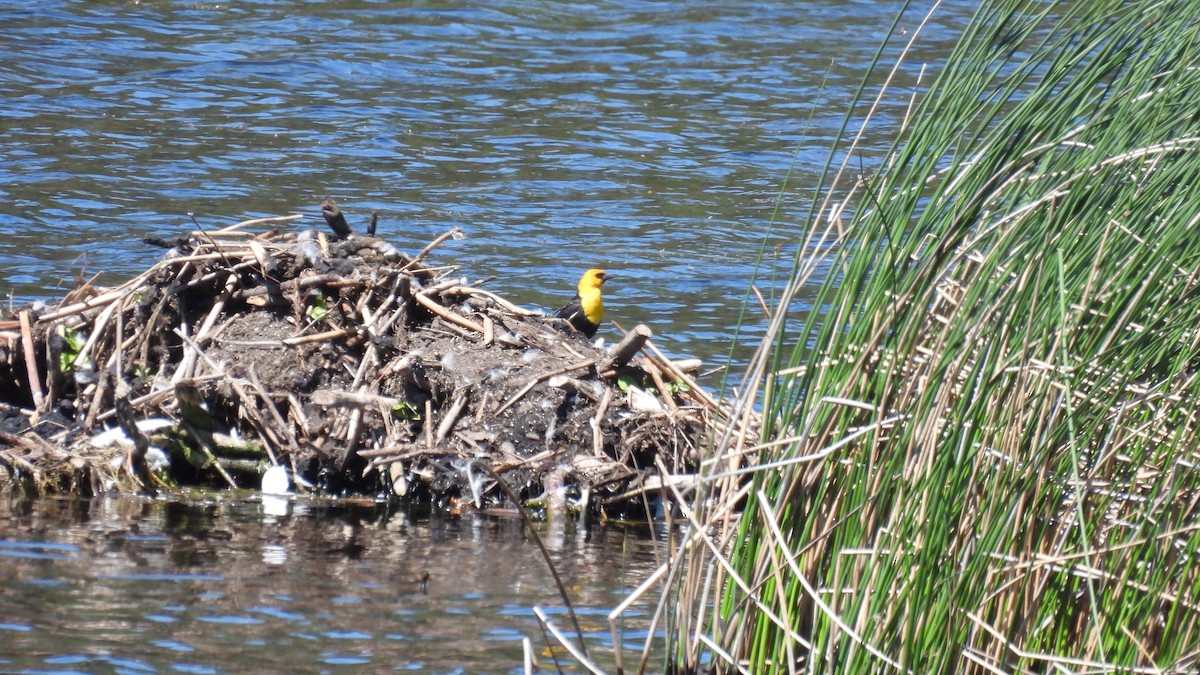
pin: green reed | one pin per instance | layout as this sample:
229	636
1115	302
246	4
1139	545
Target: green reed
987	430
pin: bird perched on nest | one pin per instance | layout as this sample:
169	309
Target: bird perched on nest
586	310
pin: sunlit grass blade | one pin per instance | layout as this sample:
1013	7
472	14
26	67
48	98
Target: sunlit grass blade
993	408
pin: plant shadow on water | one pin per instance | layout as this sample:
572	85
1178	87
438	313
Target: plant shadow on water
225	584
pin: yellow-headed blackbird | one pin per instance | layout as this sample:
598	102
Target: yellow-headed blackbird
586	310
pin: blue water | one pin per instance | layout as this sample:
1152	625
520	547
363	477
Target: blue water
649	138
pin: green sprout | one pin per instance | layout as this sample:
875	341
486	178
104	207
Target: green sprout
318	310
70	354
406	411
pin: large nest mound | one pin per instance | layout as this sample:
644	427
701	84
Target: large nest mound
358	368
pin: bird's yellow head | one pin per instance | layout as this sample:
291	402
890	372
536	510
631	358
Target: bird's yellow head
589	294
591	280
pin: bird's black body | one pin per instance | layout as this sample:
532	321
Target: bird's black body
573	313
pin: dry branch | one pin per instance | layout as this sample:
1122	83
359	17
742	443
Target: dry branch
338	358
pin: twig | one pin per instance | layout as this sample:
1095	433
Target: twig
99	329
217	308
446	314
96	301
455	232
601	411
544	376
469	290
681	483
14	440
152	398
319	337
663	392
693	388
333	397
212	242
578	654
186	365
35	382
103	387
621	353
13	462
263	394
761	302
489	331
451	415
506	466
256	221
289	285
428	424
356	415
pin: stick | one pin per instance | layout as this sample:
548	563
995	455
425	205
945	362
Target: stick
446	314
356	415
332	397
537	539
289	285
319	337
468	290
452	415
664	394
212	242
282	424
694	388
248	409
219	306
576	653
544	376
428	426
621	353
256	221
152	398
597	437
188	363
456	232
35	382
13	440
99	329
90	303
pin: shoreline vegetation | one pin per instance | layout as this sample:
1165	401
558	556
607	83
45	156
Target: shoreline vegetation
979	453
337	366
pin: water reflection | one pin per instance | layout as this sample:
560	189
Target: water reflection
218	586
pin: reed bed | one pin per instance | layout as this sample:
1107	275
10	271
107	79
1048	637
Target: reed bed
979	452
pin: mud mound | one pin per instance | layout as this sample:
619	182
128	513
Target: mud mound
359	369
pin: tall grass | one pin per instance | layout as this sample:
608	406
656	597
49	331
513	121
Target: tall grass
979	453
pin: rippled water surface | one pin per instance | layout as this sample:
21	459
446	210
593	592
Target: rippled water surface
222	585
650	137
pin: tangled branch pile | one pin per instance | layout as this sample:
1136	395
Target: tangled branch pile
356	367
